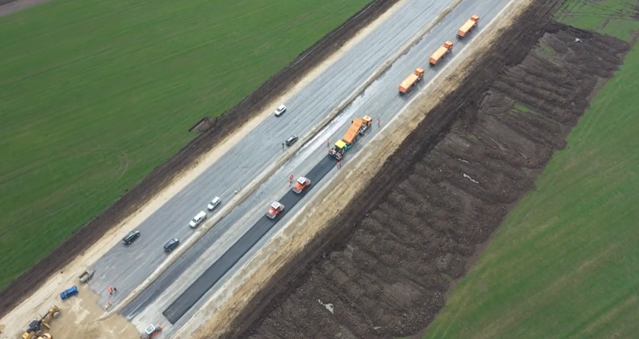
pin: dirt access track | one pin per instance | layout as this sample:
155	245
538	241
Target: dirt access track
217	130
384	266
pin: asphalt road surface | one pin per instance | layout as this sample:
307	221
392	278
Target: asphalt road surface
215	272
127	267
380	100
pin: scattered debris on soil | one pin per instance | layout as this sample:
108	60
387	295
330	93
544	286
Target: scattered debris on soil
218	129
419	228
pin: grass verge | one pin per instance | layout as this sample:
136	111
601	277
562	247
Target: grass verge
95	94
617	18
564	263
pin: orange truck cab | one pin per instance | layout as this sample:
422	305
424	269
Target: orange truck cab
467	27
440	53
410	81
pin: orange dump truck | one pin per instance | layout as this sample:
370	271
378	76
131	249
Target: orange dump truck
440	53
410	81
468	26
355	131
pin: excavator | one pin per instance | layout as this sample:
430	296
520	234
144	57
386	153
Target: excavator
34	331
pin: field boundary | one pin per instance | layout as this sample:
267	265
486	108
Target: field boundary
221	127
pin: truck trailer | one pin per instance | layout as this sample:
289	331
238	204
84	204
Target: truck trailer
468	26
355	131
411	81
440	53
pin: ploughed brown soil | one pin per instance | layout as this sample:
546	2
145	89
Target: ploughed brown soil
444	194
218	129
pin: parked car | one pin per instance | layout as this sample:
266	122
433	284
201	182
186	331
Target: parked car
171	245
213	204
197	219
291	140
69	292
280	110
131	237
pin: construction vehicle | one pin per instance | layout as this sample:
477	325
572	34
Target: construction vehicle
411	81
468	26
440	53
34	331
357	129
151	331
275	210
41	336
86	276
301	184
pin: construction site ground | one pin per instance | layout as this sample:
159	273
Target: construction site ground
39	288
384	266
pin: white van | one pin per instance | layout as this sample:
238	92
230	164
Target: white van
198	219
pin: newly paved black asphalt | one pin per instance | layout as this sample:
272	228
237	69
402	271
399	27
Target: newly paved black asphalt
216	271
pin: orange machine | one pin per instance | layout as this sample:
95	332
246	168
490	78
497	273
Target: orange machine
411	81
468	26
301	184
440	53
356	130
275	209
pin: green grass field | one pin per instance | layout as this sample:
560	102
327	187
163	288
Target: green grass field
95	94
565	263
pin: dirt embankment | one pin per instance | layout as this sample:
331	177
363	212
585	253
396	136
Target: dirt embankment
219	128
385	266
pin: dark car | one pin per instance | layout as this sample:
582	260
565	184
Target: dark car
291	140
131	237
171	245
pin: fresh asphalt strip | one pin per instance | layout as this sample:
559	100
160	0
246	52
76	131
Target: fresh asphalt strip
215	272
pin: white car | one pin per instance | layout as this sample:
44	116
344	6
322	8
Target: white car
198	219
280	110
213	204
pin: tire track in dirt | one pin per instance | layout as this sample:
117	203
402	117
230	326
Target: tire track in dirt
388	263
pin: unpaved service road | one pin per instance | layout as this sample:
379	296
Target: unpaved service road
395	253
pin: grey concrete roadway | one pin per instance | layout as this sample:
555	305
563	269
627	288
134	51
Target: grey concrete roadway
380	100
226	262
128	267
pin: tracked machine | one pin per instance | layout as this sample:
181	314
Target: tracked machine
357	129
